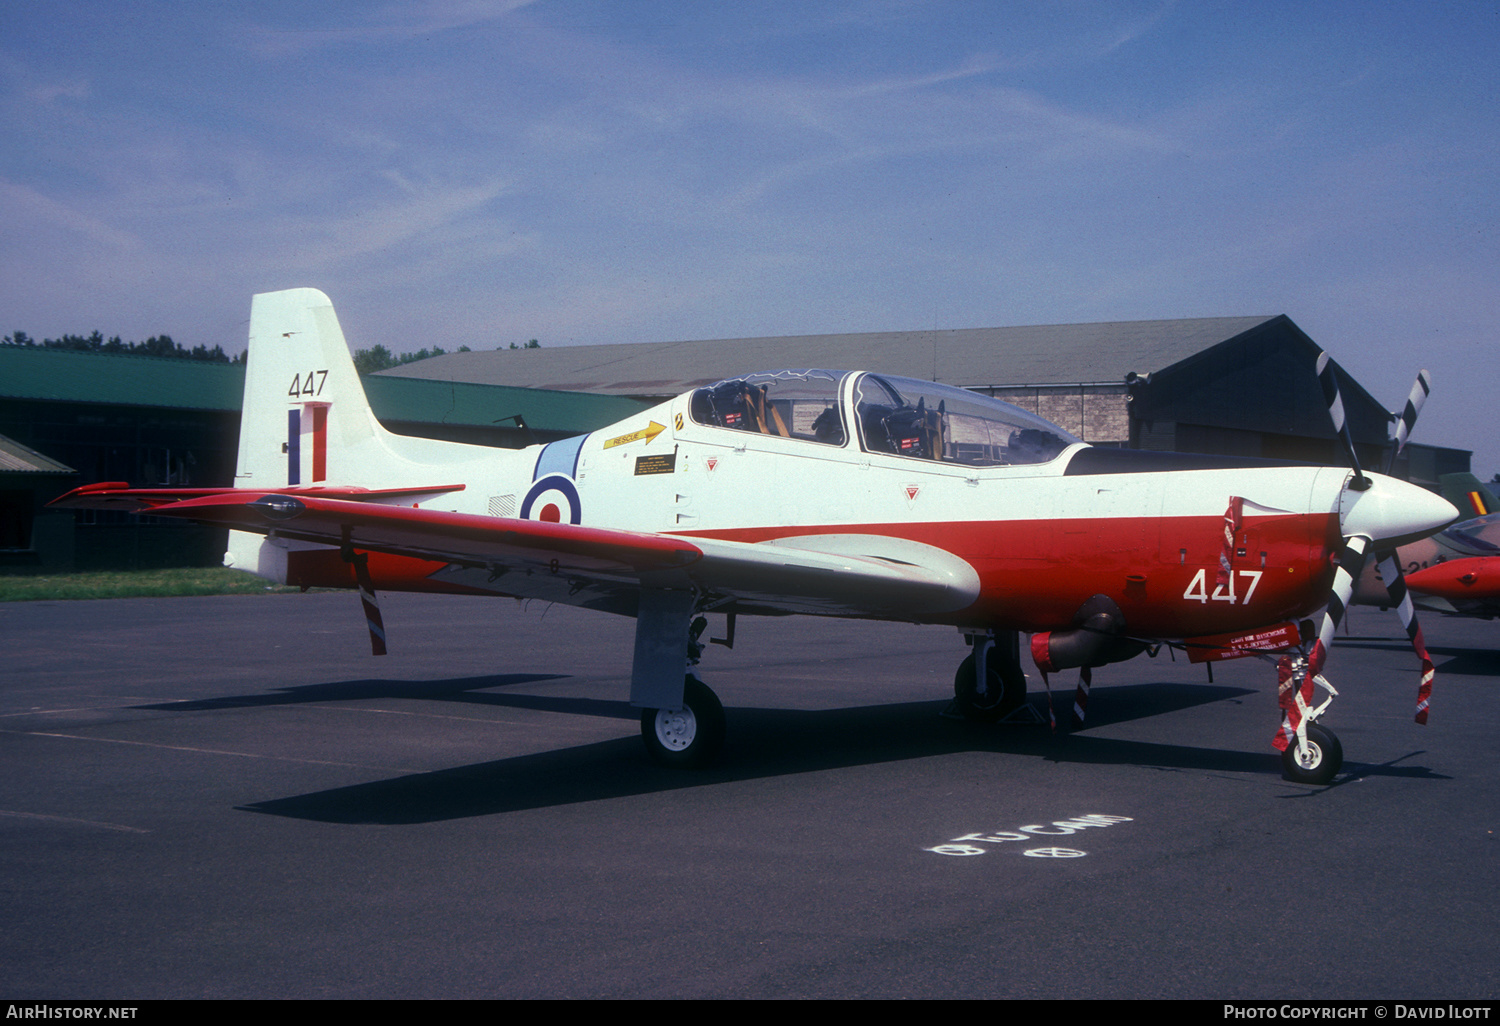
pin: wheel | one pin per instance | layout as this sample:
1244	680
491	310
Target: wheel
691	737
1005	689
1324	758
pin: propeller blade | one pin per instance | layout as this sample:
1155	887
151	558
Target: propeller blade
1328	378
1395	586
1408	418
1383	512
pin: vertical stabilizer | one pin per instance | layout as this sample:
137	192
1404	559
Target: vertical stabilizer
1469	494
305	421
304	408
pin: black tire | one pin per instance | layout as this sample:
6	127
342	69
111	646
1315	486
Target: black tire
691	738
1005	689
1325	757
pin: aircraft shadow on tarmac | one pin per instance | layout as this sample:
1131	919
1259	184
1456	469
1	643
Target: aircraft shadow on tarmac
458	689
1465	662
764	743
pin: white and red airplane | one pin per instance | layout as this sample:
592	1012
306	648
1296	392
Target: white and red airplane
1455	572
820	492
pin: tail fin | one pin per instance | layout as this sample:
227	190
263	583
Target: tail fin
301	389
1467	493
305	419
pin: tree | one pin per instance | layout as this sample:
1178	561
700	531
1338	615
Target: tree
160	346
377	358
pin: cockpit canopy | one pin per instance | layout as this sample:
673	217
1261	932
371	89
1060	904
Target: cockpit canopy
793	404
900	416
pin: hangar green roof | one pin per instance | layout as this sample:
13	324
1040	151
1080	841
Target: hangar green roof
57	375
49	375
457	402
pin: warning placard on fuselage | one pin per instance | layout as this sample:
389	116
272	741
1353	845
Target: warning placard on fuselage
662	463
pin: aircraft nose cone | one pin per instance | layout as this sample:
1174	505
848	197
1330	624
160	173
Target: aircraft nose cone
1395	511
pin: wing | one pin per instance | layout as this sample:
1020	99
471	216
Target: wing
839	575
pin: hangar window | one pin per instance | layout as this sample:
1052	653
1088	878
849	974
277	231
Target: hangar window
928	421
800	404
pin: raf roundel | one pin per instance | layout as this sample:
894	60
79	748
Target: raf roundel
553	499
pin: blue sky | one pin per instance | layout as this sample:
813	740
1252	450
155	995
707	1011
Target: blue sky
483	172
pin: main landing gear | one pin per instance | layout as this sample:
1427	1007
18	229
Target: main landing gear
686	738
686	734
1002	689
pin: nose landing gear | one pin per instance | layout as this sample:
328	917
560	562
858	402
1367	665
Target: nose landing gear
1315	760
1310	752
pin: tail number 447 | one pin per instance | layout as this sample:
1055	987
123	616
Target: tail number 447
1198	589
310	385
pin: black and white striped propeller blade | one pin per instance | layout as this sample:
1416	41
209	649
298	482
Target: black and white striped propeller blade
1390	566
1328	378
1401	429
1395	585
1296	696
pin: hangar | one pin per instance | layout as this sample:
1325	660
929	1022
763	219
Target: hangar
1243	386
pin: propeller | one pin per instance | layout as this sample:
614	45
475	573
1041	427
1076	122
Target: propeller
1295	697
1362	536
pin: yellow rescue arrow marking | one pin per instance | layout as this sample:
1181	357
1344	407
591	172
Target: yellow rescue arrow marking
648	432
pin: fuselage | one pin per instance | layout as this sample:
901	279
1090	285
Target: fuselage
1044	520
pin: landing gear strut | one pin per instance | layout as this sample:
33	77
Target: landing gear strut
1004	685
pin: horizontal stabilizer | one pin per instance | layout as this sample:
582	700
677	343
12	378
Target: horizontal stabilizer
118	495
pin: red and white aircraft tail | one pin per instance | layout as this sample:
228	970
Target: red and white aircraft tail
306	421
306	424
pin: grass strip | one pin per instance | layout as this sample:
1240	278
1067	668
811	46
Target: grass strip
103	584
